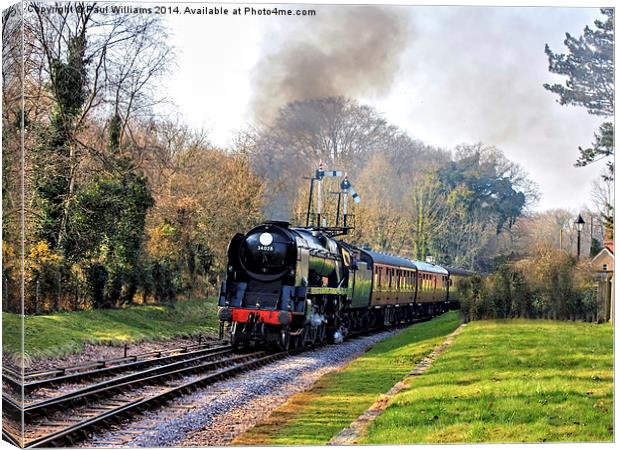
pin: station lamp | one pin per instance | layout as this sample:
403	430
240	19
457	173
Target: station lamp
579	223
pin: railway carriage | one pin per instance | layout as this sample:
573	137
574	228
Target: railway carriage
433	286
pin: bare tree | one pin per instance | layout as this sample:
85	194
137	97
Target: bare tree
97	68
602	194
336	130
203	196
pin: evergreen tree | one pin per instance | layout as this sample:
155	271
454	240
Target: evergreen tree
589	66
595	247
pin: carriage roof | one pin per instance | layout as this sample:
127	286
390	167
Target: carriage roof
432	268
390	260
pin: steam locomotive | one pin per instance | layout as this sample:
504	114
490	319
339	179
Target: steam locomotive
293	286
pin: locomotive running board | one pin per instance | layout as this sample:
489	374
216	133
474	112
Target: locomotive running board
328	290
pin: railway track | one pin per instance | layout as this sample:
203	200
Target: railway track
69	418
101	369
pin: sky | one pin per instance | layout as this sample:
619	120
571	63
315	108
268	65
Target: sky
446	75
462	75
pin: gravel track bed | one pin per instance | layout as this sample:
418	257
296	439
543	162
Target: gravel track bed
215	415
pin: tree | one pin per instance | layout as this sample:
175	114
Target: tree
602	194
430	210
56	185
89	79
107	228
486	194
498	188
12	152
337	130
203	196
380	220
89	61
589	66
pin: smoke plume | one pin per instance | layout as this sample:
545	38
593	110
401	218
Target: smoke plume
349	51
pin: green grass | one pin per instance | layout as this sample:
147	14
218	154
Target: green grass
11	333
313	417
509	381
66	332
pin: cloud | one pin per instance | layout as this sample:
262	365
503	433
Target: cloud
350	51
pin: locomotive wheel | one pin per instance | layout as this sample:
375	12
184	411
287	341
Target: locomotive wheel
298	341
234	340
236	343
305	336
285	340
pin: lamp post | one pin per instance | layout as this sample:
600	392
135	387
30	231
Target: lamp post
579	223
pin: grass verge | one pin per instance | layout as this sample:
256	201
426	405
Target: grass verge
509	381
66	332
338	398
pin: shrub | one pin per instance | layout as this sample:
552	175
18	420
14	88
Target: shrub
551	284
